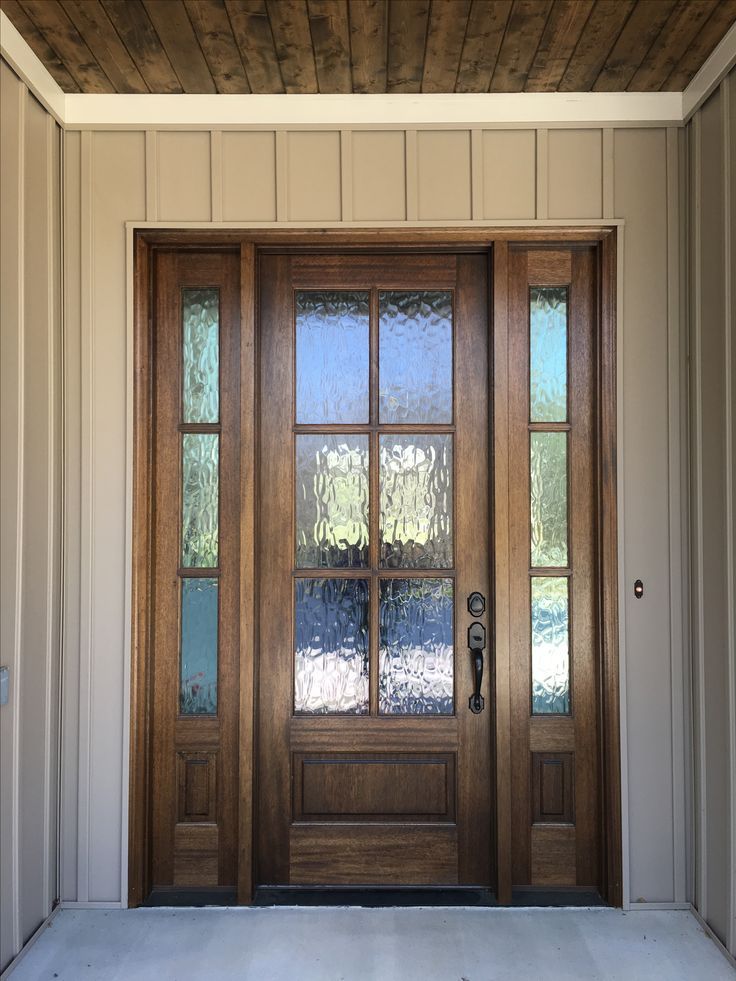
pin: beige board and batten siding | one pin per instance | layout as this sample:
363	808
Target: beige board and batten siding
30	516
332	178
712	240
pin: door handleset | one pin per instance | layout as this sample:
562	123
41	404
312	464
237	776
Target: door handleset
477	644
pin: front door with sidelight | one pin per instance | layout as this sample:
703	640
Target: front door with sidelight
375	719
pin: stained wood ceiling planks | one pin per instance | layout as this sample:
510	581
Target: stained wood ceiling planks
371	46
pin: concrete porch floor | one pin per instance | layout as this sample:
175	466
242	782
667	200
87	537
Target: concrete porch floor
352	944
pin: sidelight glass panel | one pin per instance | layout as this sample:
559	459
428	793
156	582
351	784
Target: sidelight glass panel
416	647
198	689
331	501
548	492
548	353
332	337
200	489
201	348
550	645
415	356
416	501
331	646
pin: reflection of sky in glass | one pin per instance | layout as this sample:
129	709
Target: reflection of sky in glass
198	647
415	356
550	646
548	353
332	337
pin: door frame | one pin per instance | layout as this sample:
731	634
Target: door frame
146	242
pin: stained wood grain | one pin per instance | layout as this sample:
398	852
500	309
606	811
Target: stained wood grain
252	31
174	29
38	43
523	33
131	22
682	27
599	35
483	37
290	28
407	35
719	22
447	22
101	37
564	26
330	32
639	33
368	32
65	39
213	32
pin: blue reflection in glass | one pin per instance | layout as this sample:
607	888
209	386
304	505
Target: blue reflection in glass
548	353
198	647
332	338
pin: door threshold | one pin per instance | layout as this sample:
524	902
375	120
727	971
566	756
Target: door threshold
373	897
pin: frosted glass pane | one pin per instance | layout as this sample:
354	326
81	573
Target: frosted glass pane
550	646
331	655
332	337
548	353
201	347
416	647
415	356
198	647
416	501
331	501
200	487
548	492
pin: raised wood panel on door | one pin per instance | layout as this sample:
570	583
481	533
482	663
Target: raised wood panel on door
556	782
194	761
372	799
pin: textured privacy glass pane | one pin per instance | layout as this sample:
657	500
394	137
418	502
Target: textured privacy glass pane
550	646
201	320
198	647
416	501
331	657
548	353
331	501
199	539
415	356
548	491
416	647
331	357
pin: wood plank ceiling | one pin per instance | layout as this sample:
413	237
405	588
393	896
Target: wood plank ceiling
371	46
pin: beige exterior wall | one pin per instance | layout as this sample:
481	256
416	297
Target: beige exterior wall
30	517
331	178
712	240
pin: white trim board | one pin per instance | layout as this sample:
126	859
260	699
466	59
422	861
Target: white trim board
86	111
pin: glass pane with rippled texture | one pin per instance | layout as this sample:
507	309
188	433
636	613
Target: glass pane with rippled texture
200	484
201	348
550	646
548	491
332	336
331	656
548	353
416	501
198	647
416	647
331	501
415	356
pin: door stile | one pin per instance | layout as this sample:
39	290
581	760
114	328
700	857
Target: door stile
501	593
248	605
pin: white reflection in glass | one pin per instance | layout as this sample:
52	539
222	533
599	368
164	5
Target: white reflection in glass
200	500
548	493
201	350
550	645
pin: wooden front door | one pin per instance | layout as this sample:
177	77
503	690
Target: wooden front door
373	531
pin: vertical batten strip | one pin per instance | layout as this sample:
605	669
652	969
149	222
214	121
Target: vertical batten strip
701	894
346	175
87	510
216	174
675	506
152	196
542	174
282	175
412	176
730	407
476	174
607	174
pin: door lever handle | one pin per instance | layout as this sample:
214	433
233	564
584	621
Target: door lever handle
477	644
